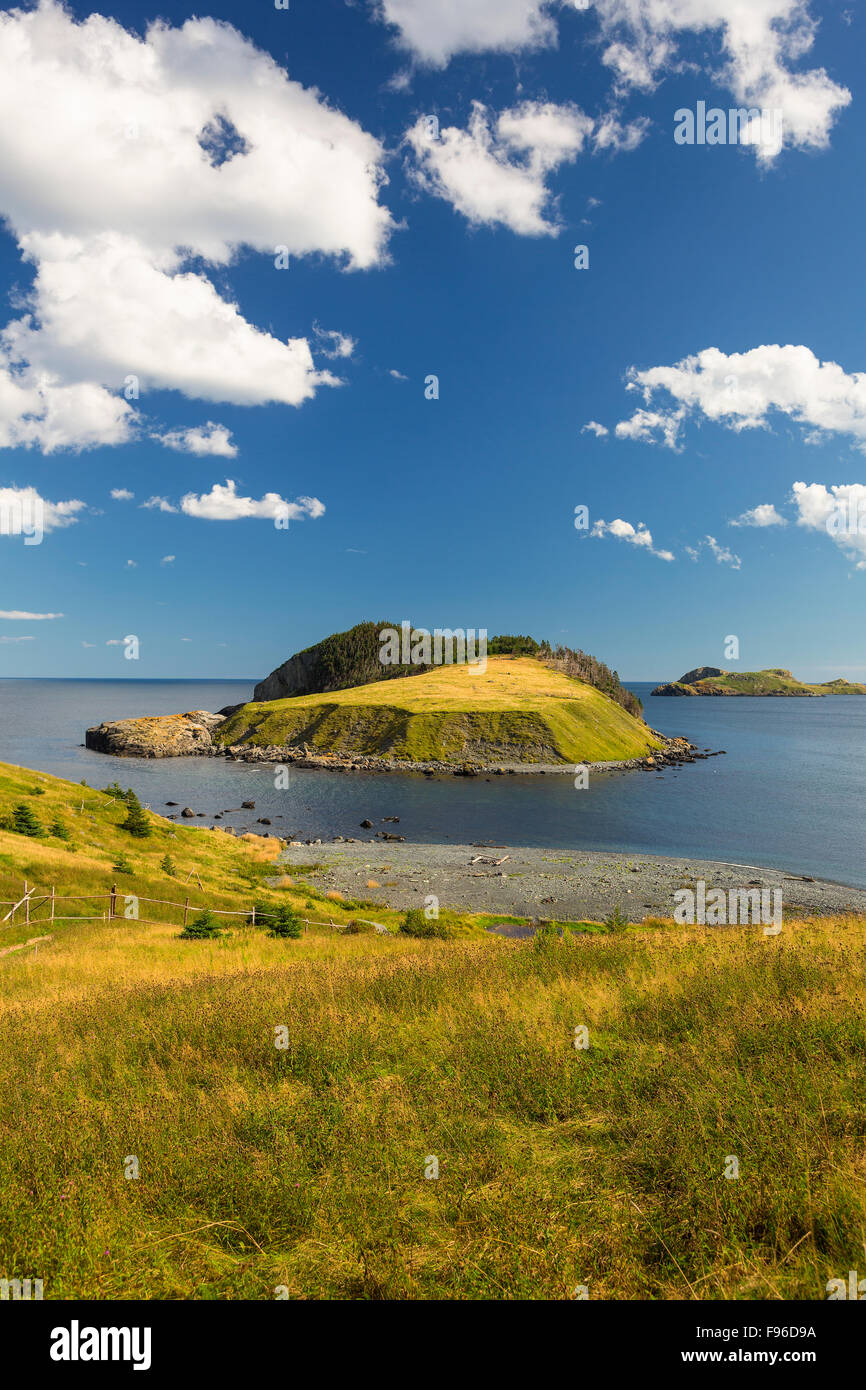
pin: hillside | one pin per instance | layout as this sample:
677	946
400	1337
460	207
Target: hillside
518	710
711	680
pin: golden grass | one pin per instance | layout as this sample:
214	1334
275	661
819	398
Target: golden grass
304	1167
518	709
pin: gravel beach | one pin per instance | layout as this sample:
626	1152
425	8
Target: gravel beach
540	883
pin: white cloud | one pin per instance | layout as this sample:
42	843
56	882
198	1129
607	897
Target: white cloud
222	503
22	510
624	531
158	504
6	640
132	564
168	559
762	43
838	511
200	439
722	554
130	155
763	515
761	40
122	494
88	644
398	376
15	615
332	343
434	30
742	390
598	430
651	427
496	171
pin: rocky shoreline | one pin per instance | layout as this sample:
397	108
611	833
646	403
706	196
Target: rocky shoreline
192	735
563	885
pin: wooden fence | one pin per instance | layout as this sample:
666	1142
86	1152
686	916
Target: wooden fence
34	899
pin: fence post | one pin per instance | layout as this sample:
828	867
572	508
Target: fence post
53	890
112	902
26	904
185	911
254	914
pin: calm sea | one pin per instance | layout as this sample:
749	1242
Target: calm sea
790	792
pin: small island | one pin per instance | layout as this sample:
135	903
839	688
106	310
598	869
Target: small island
527	707
712	680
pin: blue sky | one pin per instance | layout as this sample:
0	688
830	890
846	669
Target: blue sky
716	335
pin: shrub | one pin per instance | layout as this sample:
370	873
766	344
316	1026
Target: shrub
166	863
59	830
202	927
617	921
359	928
122	864
24	822
136	821
281	920
414	923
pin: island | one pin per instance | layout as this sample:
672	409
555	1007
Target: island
526	707
712	680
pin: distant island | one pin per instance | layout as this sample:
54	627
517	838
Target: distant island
712	680
528	706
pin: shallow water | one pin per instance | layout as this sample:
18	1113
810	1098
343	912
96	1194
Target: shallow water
790	792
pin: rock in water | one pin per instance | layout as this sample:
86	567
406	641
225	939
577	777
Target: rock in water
158	736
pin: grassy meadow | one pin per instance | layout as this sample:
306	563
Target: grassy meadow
517	709
301	1170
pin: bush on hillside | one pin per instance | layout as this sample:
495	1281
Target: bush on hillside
24	822
136	822
201	928
415	923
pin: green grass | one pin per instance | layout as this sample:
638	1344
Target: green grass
518	710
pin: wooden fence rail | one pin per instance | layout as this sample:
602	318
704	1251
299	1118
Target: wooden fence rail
111	898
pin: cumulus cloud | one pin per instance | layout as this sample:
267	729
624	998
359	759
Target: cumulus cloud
763	43
763	515
222	503
128	155
122	494
652	427
200	439
743	390
595	428
23	511
434	30
168	559
838	511
495	172
158	504
635	535
15	615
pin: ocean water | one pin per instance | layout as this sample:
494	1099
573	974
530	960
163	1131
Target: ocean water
790	792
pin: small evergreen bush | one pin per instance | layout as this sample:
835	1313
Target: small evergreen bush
201	928
24	822
136	821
